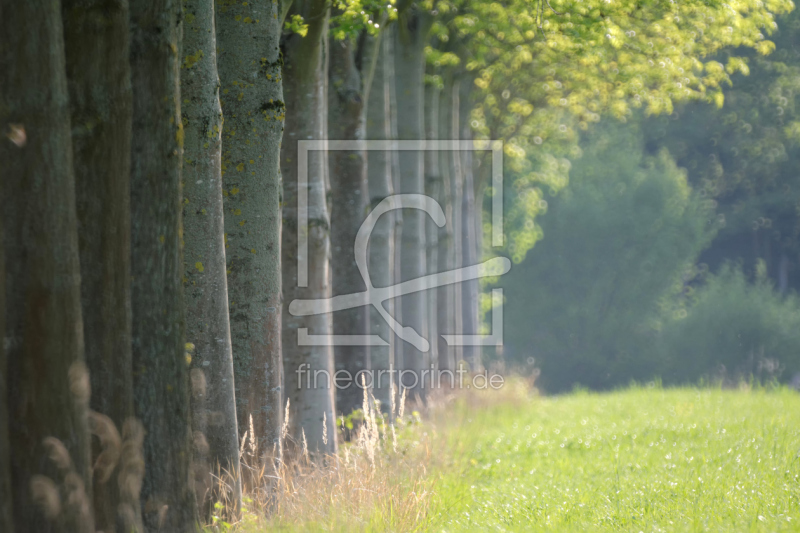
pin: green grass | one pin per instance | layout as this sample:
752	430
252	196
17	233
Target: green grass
635	460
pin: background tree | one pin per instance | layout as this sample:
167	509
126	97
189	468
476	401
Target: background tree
585	302
160	366
743	157
6	510
380	186
48	389
353	45
413	25
214	424
252	102
306	108
98	74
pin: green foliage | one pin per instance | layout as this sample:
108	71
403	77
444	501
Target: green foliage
585	301
733	330
297	25
536	87
744	156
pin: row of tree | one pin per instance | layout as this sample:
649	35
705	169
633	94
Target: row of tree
151	248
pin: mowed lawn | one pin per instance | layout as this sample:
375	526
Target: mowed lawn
643	459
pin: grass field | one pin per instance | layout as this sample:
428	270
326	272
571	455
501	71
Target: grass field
636	460
640	459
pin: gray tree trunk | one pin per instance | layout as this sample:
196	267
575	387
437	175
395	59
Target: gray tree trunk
381	246
214	423
160	369
48	390
457	191
470	294
433	188
446	249
96	40
249	62
390	45
410	39
351	71
304	79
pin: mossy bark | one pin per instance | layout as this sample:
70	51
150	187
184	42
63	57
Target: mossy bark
96	40
382	241
47	388
214	425
304	78
248	38
351	70
410	40
160	367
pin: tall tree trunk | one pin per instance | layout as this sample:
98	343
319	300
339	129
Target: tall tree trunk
160	383
381	246
214	424
470	305
411	37
252	102
352	67
304	78
446	249
390	45
6	498
48	390
457	191
434	189
96	40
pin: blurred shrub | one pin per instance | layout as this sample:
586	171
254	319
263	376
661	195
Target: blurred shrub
585	301
733	330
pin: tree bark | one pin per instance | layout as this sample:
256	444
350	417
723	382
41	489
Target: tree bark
457	189
6	498
304	78
446	249
252	102
48	389
160	369
470	288
352	67
96	40
434	189
411	37
214	424
381	246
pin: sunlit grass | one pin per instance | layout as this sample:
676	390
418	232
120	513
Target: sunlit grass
637	460
642	459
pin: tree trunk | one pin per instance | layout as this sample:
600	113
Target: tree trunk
160	382
446	250
252	102
411	37
390	45
48	389
214	424
434	189
304	77
469	235
6	497
352	67
381	246
457	189
96	41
